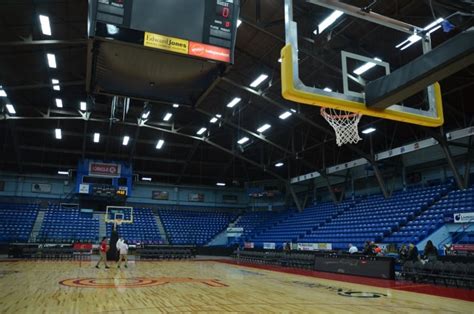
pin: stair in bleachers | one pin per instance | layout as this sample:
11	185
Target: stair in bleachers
298	225
102	228
67	225
164	236
432	217
193	227
374	218
144	228
37	226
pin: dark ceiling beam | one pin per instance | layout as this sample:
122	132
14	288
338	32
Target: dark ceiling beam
84	137
16	147
191	153
78	134
70	42
118	156
43	85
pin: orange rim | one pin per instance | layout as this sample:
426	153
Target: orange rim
337	116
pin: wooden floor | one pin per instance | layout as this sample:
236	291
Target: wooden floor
196	286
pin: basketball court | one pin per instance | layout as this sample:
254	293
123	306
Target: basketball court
209	286
255	156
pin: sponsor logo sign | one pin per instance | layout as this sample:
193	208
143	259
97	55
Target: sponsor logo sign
464	217
104	170
166	43
209	52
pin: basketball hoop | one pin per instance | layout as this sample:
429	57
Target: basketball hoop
117	222
344	123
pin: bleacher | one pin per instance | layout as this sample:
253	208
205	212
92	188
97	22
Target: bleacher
194	227
298	225
16	221
433	217
143	230
375	217
67	225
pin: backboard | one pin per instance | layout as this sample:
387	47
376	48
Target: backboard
295	90
121	214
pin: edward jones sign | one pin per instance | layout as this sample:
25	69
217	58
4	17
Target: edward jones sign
104	170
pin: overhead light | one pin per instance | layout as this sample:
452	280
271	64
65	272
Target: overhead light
51	60
327	89
365	67
58	134
160	143
220	184
279	164
146	179
56	87
285	115
233	102
263	128
45	26
213	120
59	102
433	26
259	80
55	81
175	105
328	22
243	140
96	137
238	23
201	130
125	141
368	130
112	29
83	105
279	59
146	114
64	173
292	110
219	116
10	108
3	93
167	116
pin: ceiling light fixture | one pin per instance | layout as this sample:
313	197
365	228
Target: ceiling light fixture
146	179
96	137
83	105
430	28
259	80
234	102
10	109
365	67
45	26
175	105
220	184
238	23
213	120
125	141
243	140
58	134
368	130
160	144
263	128
279	164
201	131
63	173
167	116
285	115
327	89
59	102
51	60
328	22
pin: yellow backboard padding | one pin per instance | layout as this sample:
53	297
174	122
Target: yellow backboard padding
290	92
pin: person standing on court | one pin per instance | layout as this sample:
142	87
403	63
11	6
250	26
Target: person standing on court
123	253
103	253
352	249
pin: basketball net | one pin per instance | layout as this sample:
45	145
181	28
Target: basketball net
117	222
344	123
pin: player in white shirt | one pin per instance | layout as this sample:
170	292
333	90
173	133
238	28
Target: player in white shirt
123	249
353	249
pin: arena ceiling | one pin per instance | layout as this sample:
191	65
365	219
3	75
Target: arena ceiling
303	142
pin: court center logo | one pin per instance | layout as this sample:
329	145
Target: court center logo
136	282
341	291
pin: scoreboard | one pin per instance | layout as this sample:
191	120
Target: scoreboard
199	28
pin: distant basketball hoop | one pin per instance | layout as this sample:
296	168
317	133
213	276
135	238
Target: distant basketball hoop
344	123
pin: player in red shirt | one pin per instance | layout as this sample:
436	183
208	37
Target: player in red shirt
103	252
